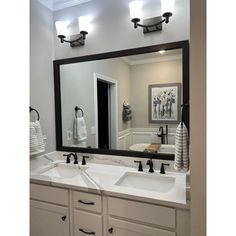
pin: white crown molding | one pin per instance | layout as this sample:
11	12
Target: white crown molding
151	60
68	3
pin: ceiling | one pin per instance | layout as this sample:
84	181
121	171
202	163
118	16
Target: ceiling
56	5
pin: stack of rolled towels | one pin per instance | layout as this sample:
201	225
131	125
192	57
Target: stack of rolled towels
36	138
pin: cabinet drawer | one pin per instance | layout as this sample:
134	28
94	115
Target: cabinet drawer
122	228
143	212
87	201
87	223
49	194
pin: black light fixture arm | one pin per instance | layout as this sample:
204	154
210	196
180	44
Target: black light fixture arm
146	26
166	16
63	40
76	42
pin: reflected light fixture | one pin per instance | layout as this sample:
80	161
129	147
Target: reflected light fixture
151	24
77	39
161	51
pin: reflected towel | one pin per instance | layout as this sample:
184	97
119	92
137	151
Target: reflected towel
36	138
79	129
181	148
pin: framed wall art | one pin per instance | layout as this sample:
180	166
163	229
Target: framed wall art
164	103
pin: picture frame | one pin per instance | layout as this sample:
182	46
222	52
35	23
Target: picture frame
164	103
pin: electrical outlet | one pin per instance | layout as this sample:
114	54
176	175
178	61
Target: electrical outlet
92	130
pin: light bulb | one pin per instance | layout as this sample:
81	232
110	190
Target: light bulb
84	23
61	28
135	8
167	6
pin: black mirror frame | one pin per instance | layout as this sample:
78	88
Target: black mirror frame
184	45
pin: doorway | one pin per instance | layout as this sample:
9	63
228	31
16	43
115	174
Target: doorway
103	114
106	112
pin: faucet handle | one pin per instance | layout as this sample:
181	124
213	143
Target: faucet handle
162	170
83	160
140	167
67	157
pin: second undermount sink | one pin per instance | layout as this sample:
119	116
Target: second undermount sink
63	170
150	182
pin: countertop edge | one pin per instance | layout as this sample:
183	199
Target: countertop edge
112	194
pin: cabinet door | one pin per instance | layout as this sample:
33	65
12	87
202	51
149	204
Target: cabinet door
125	228
48	219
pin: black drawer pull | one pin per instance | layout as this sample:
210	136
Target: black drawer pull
110	230
85	232
86	203
63	218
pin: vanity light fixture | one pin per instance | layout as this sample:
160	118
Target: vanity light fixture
77	39
151	24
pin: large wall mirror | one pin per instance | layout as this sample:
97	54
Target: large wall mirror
123	103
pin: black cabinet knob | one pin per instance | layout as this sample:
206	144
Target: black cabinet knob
63	218
110	230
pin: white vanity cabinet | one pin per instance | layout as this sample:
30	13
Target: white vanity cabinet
49	212
65	212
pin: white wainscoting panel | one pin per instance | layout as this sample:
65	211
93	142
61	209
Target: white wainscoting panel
131	136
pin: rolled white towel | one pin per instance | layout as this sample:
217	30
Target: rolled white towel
181	148
79	129
36	138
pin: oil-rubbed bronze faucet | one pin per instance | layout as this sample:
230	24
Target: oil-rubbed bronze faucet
162	135
150	164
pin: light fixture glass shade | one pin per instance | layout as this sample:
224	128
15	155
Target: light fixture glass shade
61	28
135	9
84	23
167	6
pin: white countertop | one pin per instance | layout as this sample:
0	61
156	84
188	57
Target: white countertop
102	178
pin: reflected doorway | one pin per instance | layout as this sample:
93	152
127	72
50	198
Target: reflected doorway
106	111
103	114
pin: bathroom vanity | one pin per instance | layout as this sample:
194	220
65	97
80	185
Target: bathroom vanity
110	196
96	200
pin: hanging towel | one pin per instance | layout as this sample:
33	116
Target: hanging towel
79	129
36	138
181	148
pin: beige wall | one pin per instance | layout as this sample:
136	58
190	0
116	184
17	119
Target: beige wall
143	75
198	116
77	89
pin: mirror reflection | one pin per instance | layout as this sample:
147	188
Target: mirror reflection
125	103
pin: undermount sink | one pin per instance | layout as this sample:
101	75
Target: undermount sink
150	182
62	170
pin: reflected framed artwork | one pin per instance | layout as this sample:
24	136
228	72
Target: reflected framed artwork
164	103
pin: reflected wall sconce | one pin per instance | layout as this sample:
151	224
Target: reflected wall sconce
151	24
77	39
